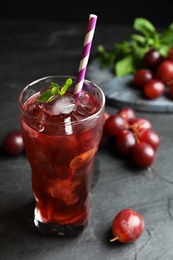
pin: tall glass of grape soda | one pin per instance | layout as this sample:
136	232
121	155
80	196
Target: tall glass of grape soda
61	138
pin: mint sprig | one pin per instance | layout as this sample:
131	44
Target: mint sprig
126	57
54	90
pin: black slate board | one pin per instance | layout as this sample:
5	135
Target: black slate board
121	92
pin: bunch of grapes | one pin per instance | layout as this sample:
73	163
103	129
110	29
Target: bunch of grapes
131	136
155	78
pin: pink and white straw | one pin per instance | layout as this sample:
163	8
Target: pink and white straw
85	54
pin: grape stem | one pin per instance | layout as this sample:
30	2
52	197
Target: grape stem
114	239
136	133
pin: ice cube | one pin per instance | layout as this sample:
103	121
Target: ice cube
86	104
64	104
36	110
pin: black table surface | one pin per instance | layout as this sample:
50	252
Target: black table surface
33	49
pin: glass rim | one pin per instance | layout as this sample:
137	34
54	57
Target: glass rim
88	118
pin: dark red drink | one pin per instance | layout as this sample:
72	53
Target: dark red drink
61	140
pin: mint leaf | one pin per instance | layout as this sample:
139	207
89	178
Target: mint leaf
145	27
66	86
138	39
46	95
166	36
104	57
54	90
126	57
124	66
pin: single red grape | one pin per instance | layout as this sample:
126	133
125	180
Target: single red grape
143	154
154	88
164	71
114	124
139	125
151	59
149	136
127	113
13	143
142	76
128	225
124	141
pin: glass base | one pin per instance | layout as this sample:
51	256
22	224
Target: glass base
58	230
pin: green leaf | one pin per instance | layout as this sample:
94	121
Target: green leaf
66	86
54	90
166	36
105	58
124	66
126	56
145	27
46	95
164	49
138	39
122	49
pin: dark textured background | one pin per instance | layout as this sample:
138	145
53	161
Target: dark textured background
33	49
116	12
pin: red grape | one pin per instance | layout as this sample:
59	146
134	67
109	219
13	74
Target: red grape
142	76
143	154
151	59
154	88
13	143
114	124
128	225
150	137
139	125
127	113
156	67
164	71
131	136
124	141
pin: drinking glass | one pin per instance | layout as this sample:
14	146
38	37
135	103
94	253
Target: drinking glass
61	140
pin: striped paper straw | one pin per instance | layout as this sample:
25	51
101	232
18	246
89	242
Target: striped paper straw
85	54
